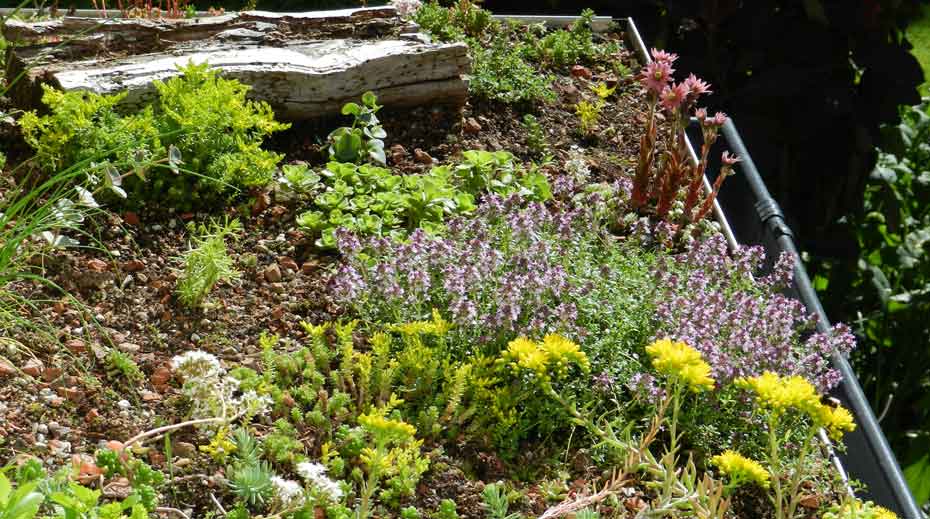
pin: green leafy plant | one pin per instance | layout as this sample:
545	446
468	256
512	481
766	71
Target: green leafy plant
362	141
199	119
495	172
563	48
535	137
886	292
121	366
497	502
463	19
22	502
371	200
500	73
446	510
207	262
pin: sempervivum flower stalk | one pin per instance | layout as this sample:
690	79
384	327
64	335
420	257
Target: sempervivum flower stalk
673	96
696	88
727	162
655	76
662	56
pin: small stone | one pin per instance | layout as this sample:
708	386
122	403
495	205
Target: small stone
289	264
422	157
811	501
398	153
6	369
131	218
272	273
572	95
133	266
76	346
92	415
160	378
119	488
42	428
33	367
581	71
59	447
183	449
50	374
471	125
123	404
97	265
309	267
183	462
128	347
150	396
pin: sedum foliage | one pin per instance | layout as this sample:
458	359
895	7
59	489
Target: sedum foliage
200	119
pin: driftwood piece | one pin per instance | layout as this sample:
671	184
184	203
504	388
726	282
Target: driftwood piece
306	65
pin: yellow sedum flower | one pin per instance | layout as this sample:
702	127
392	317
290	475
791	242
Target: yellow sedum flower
385	428
741	469
836	421
562	353
780	394
857	509
438	327
553	355
678	361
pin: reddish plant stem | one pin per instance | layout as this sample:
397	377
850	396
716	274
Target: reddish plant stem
694	189
708	204
646	157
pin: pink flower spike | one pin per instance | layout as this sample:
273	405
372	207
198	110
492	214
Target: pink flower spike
714	122
701	114
728	160
664	57
672	96
696	87
655	76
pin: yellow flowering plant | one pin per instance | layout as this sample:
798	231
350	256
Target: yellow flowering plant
853	508
779	398
685	369
680	363
551	357
741	470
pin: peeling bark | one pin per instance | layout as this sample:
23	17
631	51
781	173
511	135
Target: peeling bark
306	65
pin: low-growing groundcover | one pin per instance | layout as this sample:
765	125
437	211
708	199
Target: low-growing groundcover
503	316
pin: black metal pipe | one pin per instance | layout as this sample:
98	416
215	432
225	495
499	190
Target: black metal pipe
868	456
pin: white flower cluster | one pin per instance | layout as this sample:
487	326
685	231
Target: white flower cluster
406	8
577	166
288	492
211	391
315	474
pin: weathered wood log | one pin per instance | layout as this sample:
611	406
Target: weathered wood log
281	56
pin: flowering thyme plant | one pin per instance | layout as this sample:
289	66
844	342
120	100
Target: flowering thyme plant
743	325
